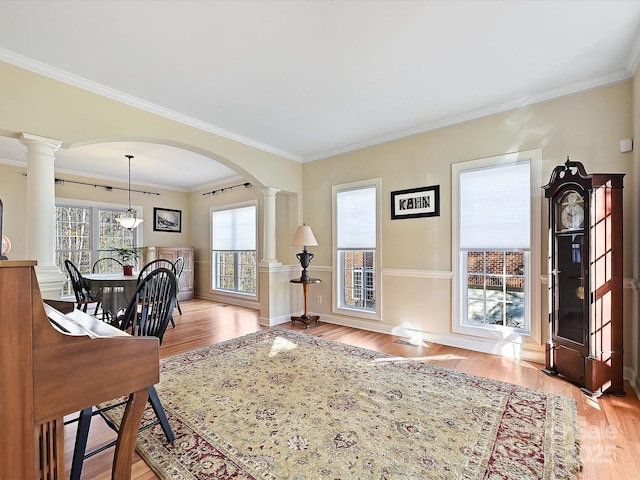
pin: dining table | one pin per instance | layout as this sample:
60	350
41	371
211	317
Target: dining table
115	289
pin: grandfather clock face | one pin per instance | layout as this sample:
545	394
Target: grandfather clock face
570	212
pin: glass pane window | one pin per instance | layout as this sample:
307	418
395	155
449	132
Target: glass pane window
73	238
233	247
356	224
112	235
358	280
236	271
495	288
86	233
495	221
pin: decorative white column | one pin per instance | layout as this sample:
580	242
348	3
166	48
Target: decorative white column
41	209
270	224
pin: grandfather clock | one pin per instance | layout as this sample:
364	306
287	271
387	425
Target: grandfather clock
585	278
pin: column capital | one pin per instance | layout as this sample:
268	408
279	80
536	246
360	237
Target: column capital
270	191
29	139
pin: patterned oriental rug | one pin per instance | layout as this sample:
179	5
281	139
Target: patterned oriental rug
279	404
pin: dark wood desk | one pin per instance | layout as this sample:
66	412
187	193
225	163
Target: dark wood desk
305	317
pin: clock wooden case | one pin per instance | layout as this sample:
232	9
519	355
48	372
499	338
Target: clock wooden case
585	342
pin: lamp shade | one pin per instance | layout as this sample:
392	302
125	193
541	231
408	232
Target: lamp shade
304	237
129	222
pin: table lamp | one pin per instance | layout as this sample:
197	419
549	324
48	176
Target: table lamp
303	238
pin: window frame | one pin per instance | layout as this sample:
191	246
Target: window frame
94	227
337	307
213	279
531	333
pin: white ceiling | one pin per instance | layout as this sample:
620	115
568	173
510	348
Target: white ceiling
307	79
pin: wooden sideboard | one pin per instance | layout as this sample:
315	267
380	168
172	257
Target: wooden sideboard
186	283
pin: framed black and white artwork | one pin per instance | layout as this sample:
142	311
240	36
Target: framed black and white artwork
416	202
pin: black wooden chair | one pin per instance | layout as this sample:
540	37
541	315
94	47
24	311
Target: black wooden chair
148	314
179	266
84	296
151	266
107	265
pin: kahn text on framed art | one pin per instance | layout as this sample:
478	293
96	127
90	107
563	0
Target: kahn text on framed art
416	202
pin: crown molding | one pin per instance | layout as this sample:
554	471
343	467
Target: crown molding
93	87
605	80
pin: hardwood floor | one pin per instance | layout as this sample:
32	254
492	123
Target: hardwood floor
609	426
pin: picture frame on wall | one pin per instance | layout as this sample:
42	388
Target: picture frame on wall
167	220
416	202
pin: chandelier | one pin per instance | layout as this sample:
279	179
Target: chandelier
129	220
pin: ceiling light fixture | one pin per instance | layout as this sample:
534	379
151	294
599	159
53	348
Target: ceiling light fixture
129	220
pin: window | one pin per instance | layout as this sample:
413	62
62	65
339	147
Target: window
233	246
85	233
356	248
493	236
359	280
495	288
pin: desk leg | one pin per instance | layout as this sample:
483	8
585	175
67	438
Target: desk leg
128	432
305	317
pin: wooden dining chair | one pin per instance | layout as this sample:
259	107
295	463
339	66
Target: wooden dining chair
151	266
84	296
107	265
156	294
154	264
179	266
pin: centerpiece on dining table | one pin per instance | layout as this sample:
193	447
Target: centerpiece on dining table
128	256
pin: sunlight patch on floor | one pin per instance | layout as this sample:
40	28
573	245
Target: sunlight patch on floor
281	345
528	365
427	358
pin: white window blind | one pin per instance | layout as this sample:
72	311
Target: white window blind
234	229
356	218
495	212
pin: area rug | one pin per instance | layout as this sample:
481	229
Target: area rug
279	404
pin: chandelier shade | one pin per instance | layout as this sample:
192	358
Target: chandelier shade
129	220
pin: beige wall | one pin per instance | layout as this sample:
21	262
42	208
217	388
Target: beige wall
587	126
416	253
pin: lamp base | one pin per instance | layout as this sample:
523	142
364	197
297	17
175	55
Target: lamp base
305	275
305	259
306	319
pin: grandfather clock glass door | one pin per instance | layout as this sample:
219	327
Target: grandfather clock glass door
570	271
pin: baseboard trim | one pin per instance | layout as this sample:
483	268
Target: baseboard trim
532	353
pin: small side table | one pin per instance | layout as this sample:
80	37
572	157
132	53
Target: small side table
305	317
